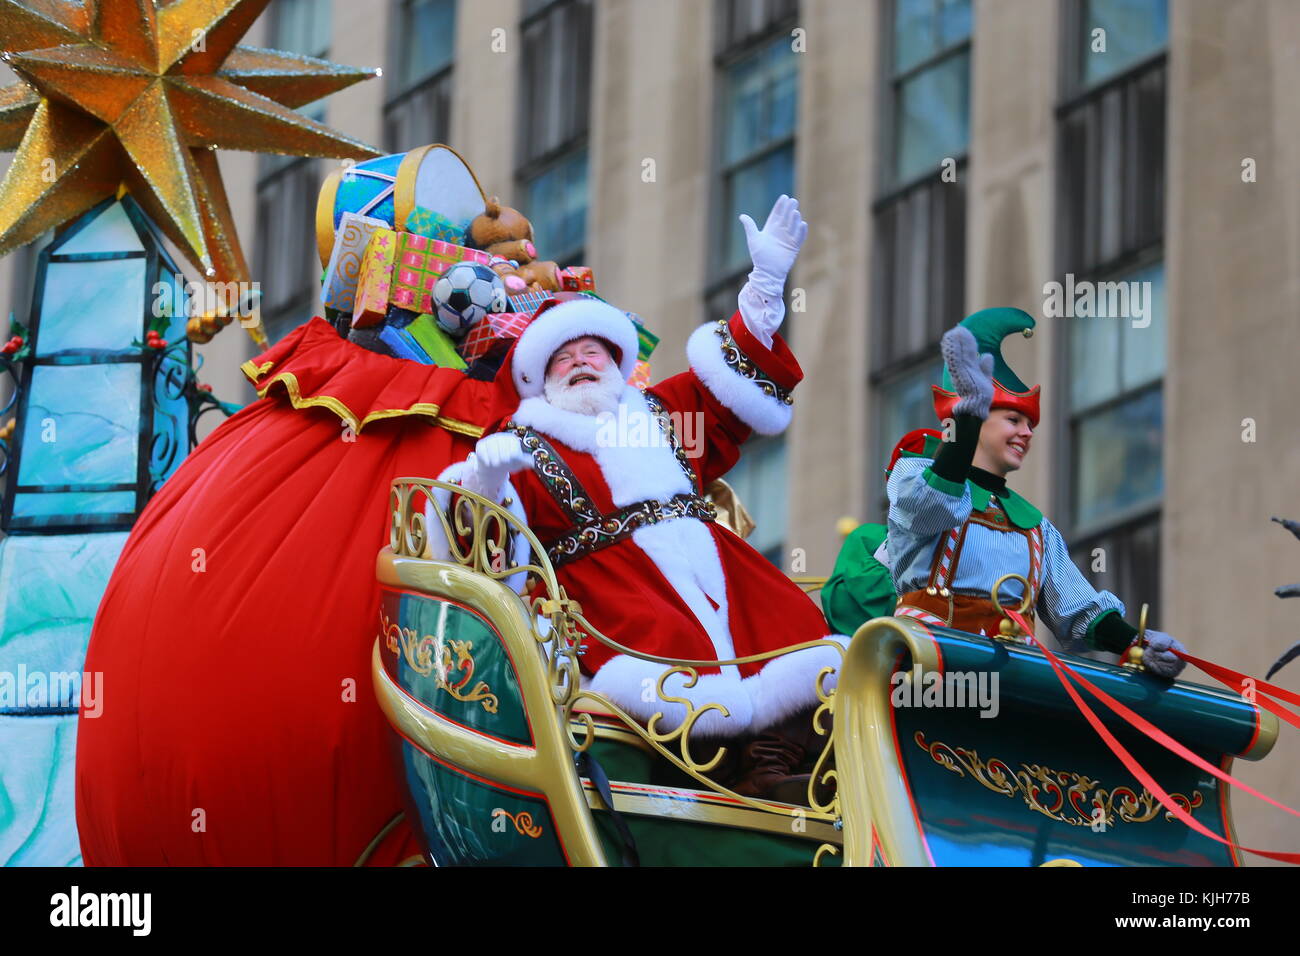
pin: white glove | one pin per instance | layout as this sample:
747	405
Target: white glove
494	459
971	373
1158	656
774	248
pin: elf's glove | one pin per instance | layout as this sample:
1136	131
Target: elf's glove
1158	656
494	459
773	251
971	373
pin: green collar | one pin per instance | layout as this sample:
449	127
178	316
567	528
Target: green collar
1020	512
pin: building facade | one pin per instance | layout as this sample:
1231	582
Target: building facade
948	155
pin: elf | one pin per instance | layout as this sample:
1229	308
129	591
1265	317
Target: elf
955	527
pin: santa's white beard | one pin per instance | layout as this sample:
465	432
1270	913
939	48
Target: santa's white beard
587	398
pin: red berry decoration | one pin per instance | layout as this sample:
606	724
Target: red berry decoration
18	341
162	343
205	388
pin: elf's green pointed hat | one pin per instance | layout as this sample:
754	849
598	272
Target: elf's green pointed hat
990	327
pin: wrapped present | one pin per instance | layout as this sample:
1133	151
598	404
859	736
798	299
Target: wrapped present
645	339
641	375
375	279
339	285
494	332
577	279
437	344
527	301
433	225
421	261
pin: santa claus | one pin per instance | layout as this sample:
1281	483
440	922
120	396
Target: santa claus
611	480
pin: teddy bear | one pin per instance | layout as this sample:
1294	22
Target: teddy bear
506	234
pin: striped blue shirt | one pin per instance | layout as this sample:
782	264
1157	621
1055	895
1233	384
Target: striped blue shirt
920	514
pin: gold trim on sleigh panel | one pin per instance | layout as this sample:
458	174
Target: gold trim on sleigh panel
548	768
872	786
696	807
418	653
1033	780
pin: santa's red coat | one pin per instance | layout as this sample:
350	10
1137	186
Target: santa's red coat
684	588
239	724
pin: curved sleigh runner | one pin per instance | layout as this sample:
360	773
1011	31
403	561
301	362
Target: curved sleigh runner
508	760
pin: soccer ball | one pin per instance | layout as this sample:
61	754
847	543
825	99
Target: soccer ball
464	294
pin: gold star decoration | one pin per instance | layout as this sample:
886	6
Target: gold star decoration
126	92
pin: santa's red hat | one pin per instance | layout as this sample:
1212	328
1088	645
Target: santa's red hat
561	319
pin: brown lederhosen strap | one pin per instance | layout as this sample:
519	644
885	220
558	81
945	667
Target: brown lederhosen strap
593	530
938	604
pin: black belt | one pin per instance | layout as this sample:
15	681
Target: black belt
604	530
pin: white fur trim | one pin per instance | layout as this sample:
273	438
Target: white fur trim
630	682
564	323
638	465
438	548
766	414
787	685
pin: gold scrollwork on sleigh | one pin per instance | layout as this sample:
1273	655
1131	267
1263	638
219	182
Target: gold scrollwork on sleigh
1054	793
419	655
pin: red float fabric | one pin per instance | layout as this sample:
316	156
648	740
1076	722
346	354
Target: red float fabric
239	726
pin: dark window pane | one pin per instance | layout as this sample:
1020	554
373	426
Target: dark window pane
761	97
1111	185
919	283
1118	459
740	21
302	26
915	37
427	37
1134	30
954	22
1126	562
555	80
752	189
287	263
420	116
556	205
933	117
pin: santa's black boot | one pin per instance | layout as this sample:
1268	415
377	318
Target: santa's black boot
777	764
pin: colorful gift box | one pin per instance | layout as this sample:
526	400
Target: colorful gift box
493	333
432	225
374	282
339	286
437	344
645	339
641	375
577	279
421	261
527	301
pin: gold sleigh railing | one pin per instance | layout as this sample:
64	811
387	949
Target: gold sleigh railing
477	537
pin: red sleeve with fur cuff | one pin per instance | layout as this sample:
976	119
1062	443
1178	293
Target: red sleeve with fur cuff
747	378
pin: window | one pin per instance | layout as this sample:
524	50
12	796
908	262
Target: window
99	427
758	94
919	218
287	263
1110	201
418	111
554	116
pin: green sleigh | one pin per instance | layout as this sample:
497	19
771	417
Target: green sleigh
508	760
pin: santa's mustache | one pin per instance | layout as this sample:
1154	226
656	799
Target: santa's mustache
594	377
